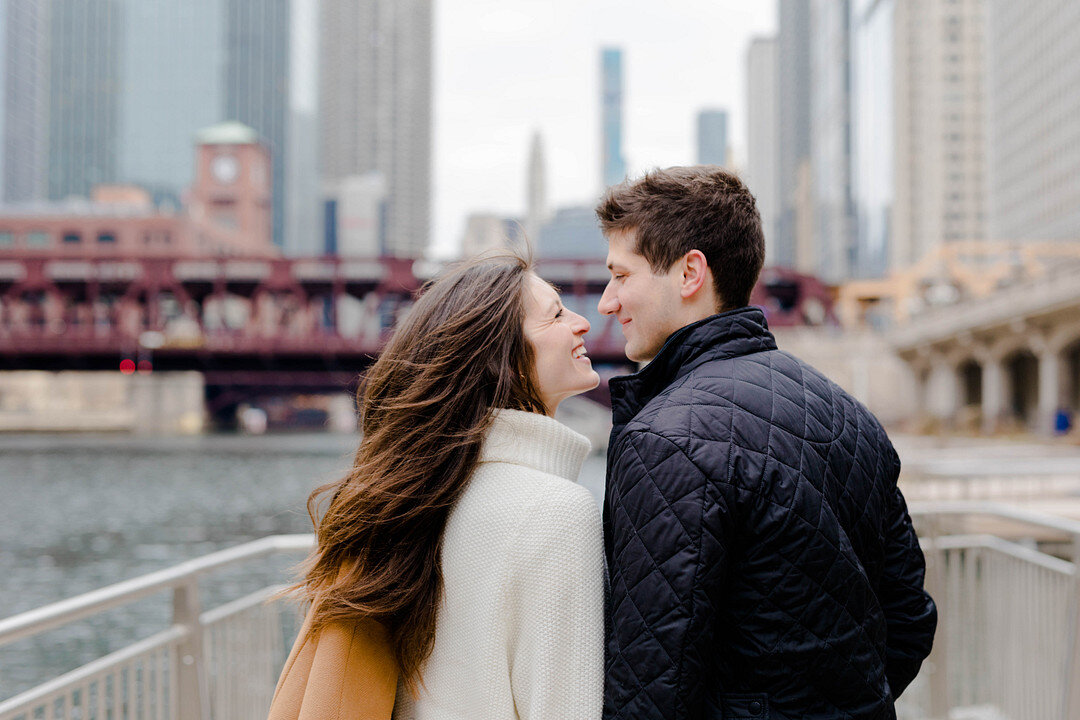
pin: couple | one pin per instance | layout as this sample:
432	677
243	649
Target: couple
760	561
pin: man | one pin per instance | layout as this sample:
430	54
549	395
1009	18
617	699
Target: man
761	559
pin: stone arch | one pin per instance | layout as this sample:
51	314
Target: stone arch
1021	368
969	375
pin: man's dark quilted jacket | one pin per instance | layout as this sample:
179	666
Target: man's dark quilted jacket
762	561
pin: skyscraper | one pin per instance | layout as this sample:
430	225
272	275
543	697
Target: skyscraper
872	134
375	107
113	91
536	210
712	137
762	172
612	164
940	139
86	37
172	89
1034	120
830	147
795	227
24	64
256	83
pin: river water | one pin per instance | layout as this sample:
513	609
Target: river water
81	512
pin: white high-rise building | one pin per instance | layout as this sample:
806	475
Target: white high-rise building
360	204
1033	98
375	106
794	246
536	210
940	125
830	144
762	173
484	232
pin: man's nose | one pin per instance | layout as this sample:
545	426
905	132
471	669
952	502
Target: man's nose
608	304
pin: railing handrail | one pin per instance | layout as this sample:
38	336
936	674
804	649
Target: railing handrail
992	509
993	542
38	620
27	699
48	617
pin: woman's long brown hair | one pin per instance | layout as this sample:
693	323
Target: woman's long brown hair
425	405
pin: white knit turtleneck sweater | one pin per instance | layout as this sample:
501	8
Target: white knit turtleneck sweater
520	632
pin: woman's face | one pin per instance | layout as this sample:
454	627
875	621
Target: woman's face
557	338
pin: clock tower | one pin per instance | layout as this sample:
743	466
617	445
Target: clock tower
230	205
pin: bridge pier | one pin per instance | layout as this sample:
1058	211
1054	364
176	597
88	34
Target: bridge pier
101	401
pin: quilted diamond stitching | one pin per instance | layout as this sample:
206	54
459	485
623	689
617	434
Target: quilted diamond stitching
834	443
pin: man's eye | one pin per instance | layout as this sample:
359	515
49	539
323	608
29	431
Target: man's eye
559	314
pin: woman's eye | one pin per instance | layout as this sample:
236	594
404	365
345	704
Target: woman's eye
558	314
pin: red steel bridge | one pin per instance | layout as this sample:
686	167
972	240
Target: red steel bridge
296	324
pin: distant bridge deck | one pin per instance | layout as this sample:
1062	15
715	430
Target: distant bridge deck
62	310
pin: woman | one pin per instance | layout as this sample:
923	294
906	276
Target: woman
460	529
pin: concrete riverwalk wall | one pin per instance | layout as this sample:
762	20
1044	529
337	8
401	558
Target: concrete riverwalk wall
76	401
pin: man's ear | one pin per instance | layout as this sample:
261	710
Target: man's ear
695	274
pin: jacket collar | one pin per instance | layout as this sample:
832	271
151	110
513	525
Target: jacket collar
536	441
725	335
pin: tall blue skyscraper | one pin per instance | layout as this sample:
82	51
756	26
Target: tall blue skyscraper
113	91
174	54
84	95
712	137
24	64
256	83
612	164
872	160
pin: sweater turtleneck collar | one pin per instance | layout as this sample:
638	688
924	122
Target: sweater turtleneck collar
536	441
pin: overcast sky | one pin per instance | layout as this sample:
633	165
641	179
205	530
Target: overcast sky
504	68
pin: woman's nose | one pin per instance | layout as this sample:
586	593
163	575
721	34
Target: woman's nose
581	325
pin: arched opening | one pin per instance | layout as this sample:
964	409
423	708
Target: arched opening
970	372
1070	390
969	376
1022	387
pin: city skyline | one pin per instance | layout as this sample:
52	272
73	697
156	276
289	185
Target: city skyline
549	82
504	71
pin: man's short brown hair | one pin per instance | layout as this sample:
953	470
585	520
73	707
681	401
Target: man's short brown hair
680	209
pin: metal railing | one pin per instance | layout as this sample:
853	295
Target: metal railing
1008	642
1008	633
1006	484
221	664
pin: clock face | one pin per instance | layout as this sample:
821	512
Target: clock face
225	169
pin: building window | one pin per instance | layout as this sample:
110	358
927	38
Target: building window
106	237
37	238
72	237
7	239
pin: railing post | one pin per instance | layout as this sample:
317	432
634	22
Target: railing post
1071	681
939	656
190	685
